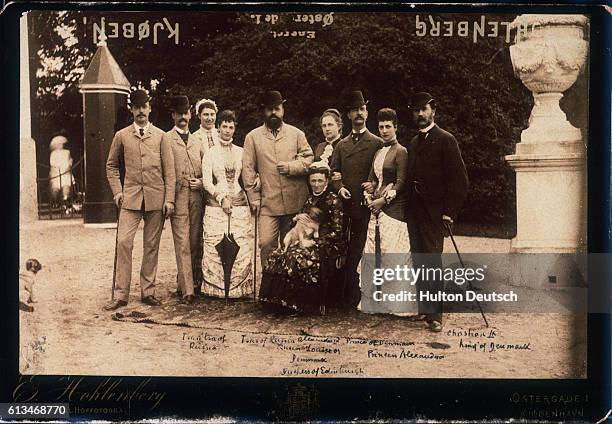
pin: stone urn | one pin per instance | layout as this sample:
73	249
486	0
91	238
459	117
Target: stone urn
548	54
550	159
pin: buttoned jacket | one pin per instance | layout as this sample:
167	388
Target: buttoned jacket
279	194
354	162
187	157
436	174
149	168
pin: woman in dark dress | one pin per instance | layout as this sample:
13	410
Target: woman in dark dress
387	231
298	279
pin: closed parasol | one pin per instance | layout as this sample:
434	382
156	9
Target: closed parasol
228	250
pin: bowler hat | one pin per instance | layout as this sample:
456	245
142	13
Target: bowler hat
355	99
272	99
139	98
419	100
179	104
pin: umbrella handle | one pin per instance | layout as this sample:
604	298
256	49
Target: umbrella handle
229	220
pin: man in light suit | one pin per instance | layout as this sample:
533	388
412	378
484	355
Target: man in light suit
186	222
280	154
147	193
437	186
351	163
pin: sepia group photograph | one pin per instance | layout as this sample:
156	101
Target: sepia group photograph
317	193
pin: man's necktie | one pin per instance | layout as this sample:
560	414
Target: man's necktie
184	137
210	139
421	139
142	132
355	137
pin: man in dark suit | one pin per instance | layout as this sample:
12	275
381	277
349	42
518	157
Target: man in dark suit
351	163
437	184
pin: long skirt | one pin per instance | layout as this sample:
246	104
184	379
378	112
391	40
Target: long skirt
215	226
294	279
395	250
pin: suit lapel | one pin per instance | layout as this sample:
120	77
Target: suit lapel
362	144
176	138
267	133
431	136
281	133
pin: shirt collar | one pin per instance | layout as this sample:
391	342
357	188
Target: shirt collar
277	131
334	140
180	131
390	142
361	131
212	130
145	128
427	128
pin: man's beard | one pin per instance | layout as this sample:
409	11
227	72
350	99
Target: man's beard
424	123
273	122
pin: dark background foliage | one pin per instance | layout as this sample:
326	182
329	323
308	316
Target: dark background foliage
228	58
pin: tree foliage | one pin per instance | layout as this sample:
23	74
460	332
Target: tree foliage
227	57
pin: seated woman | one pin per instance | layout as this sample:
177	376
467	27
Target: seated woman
298	278
387	243
226	202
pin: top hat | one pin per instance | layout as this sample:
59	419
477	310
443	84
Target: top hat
139	98
272	99
180	104
58	142
355	99
419	100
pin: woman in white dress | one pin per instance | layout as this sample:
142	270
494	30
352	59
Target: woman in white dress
60	171
386	199
226	202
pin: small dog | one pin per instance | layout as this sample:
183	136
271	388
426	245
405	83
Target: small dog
306	229
27	279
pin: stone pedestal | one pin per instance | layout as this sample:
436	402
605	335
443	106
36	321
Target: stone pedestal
550	160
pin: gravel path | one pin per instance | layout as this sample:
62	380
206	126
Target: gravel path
69	333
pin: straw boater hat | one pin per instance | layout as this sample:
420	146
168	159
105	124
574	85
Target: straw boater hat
58	142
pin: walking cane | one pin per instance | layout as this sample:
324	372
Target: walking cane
450	233
115	261
255	257
345	277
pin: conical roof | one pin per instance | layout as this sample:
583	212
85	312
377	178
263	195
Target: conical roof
104	73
